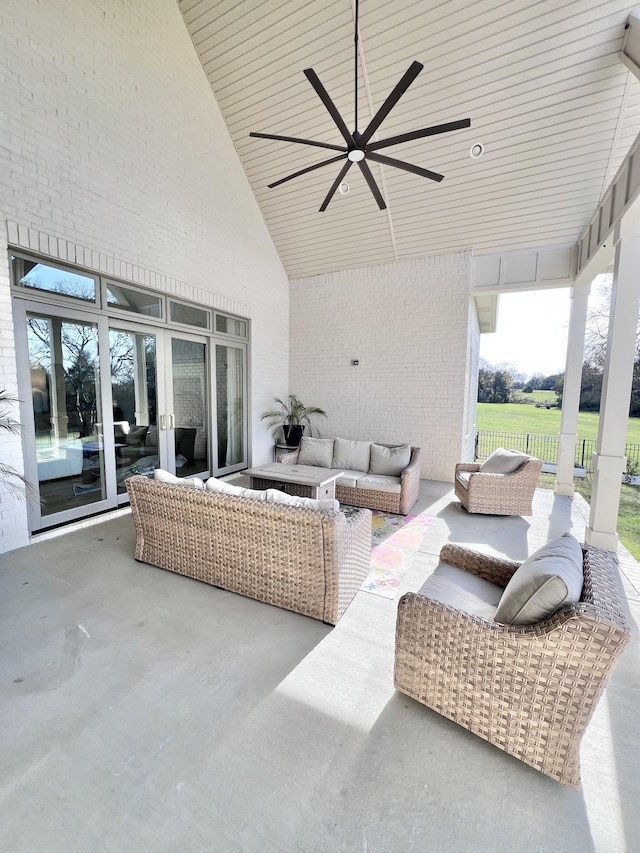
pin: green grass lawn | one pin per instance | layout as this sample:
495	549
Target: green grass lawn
516	417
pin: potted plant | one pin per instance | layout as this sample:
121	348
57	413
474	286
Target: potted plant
292	415
9	475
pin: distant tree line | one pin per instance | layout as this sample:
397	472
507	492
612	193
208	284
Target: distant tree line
498	384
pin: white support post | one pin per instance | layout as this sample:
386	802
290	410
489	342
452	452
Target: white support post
571	390
609	461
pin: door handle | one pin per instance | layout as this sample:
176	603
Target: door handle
163	422
172	422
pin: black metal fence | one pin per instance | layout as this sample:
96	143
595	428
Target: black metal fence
545	447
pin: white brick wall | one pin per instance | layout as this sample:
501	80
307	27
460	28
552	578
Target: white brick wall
412	328
114	154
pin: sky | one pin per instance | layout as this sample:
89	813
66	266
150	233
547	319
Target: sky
531	332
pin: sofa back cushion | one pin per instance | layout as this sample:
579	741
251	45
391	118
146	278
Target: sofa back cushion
275	496
390	461
215	485
503	461
316	451
550	578
351	455
166	477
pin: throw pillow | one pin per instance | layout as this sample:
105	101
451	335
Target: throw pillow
351	455
166	477
546	581
215	485
275	496
316	451
390	461
503	461
136	436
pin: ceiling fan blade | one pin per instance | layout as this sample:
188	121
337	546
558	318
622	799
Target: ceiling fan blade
366	171
300	141
408	167
304	171
335	185
420	134
398	91
313	78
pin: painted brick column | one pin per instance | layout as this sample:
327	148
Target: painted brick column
609	461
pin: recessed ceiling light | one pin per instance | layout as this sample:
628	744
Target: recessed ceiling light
476	151
344	188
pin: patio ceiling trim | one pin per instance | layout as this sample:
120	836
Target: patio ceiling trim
624	189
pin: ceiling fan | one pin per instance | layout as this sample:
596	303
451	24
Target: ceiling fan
359	148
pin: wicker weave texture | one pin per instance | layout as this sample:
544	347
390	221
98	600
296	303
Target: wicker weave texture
299	559
529	690
498	494
372	499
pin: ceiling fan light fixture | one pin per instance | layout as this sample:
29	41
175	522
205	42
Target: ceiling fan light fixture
355	155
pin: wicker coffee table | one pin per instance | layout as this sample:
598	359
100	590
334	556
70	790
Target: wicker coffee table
307	481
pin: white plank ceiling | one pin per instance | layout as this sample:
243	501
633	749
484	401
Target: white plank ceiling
541	82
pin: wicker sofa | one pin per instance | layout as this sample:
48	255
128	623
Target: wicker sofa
529	689
364	482
306	560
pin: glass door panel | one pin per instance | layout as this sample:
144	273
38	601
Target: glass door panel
187	418
66	404
134	403
230	401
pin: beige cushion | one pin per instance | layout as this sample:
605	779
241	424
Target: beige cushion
350	478
390	461
351	455
549	579
316	451
166	477
380	483
463	477
277	497
215	485
503	461
462	590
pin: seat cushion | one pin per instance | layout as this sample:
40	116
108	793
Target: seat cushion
351	455
379	483
463	477
503	461
325	505
462	590
215	485
547	580
350	478
166	477
316	451
390	461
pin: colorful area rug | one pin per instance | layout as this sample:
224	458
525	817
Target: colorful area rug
394	542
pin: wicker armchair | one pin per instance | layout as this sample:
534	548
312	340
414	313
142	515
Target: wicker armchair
527	689
497	494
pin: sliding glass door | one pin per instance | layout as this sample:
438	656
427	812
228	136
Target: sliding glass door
63	402
230	382
104	397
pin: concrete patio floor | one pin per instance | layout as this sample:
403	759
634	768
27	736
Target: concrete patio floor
144	711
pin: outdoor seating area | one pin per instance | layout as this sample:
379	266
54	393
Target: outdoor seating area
249	725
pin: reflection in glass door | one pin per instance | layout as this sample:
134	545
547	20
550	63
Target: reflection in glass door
134	401
230	397
187	417
65	393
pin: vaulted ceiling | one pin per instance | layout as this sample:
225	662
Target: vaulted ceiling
542	82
